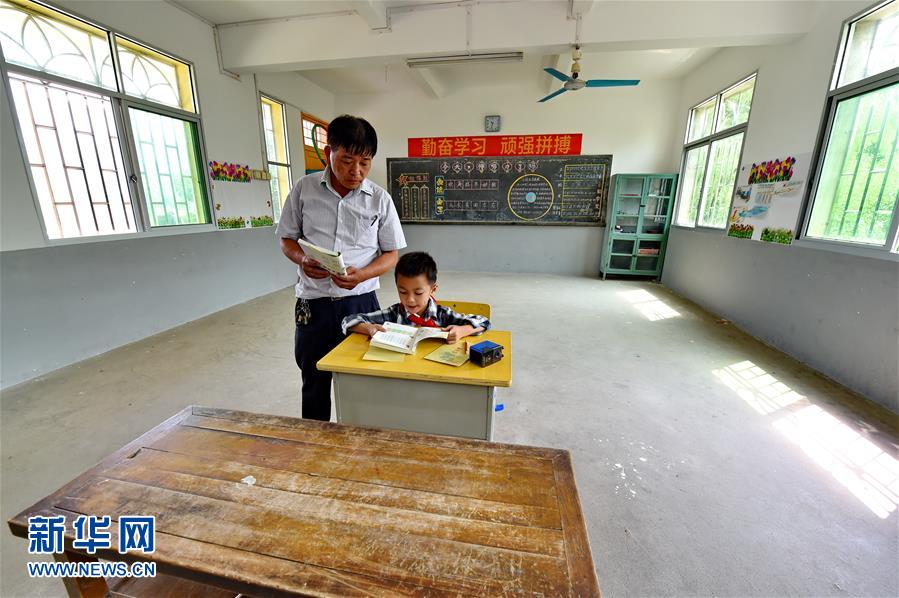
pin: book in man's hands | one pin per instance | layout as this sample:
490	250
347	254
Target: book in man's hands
332	261
404	339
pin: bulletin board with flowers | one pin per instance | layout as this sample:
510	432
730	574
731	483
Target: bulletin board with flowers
227	171
767	199
240	206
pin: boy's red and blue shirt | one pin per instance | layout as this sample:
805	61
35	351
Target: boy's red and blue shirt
435	315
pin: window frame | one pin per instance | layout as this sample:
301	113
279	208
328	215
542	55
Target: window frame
132	153
691	114
150	49
309	150
120	102
833	96
709	140
262	95
305	116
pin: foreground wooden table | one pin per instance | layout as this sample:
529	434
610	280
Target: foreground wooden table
417	394
339	510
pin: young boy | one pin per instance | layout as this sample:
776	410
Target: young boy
416	282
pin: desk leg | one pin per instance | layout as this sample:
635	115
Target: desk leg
335	384
491	410
82	587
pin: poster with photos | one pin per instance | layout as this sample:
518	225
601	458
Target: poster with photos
768	197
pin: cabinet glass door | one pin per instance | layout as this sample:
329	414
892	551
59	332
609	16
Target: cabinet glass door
620	262
647	255
647	264
660	187
630	187
623	246
655	216
656	207
630	199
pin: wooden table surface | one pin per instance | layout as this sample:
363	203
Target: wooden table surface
339	510
347	358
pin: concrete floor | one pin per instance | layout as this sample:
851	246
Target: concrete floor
707	463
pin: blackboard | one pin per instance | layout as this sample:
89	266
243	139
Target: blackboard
535	190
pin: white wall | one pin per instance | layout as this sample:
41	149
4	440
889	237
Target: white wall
838	313
64	302
636	125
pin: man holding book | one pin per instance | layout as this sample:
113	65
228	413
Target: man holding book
340	211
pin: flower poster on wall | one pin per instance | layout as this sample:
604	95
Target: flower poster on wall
768	197
226	171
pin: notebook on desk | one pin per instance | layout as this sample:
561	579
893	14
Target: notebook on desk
378	354
455	354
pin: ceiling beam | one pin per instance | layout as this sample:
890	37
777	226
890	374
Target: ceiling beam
375	14
547	82
428	80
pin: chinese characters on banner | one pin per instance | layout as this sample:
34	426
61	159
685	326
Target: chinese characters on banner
496	145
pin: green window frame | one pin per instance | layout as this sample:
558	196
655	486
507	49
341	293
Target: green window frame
852	202
713	148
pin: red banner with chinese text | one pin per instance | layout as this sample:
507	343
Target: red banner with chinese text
496	145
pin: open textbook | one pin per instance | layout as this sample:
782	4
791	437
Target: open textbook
404	339
332	261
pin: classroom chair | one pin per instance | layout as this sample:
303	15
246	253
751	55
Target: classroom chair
468	307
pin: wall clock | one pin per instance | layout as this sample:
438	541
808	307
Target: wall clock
492	123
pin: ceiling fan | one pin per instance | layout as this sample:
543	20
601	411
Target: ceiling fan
572	83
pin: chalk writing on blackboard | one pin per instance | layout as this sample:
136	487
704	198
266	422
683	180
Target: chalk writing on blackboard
515	190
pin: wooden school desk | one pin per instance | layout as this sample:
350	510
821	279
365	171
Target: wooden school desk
277	506
417	394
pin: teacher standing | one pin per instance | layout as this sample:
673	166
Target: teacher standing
339	209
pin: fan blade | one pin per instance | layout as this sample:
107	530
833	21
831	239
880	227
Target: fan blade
553	94
557	74
612	82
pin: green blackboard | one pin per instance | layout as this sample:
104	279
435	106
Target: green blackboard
535	190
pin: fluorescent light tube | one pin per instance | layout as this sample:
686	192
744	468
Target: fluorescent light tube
429	61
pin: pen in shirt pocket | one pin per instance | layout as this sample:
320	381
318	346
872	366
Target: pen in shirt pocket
373	220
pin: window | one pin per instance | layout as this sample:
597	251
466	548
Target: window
713	146
856	182
870	45
313	162
154	76
167	153
75	158
90	125
45	40
274	130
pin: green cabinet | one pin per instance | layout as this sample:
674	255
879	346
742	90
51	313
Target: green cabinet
637	225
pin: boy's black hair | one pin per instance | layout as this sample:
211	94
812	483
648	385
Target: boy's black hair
414	263
354	135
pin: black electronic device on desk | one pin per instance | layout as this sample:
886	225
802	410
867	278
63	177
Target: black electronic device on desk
485	353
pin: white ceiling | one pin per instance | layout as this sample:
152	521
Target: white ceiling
644	64
234	11
650	57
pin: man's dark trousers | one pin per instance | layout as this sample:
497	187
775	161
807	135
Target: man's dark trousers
316	338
